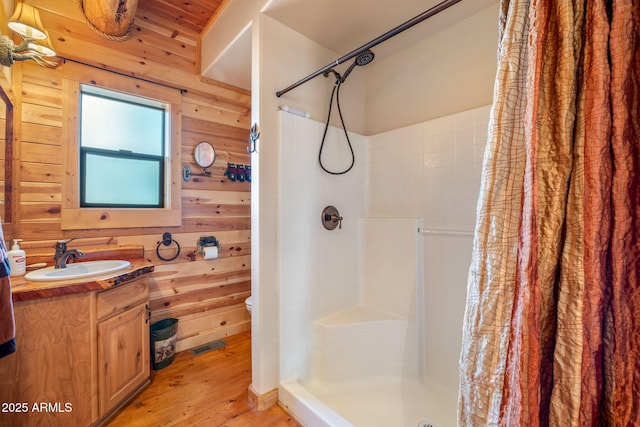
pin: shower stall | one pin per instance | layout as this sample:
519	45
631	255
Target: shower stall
361	325
371	314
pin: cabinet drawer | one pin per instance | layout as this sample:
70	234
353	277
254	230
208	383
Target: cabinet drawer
121	298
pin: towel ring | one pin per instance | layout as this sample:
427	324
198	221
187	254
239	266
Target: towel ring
167	240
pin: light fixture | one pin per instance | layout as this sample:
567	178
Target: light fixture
35	44
43	47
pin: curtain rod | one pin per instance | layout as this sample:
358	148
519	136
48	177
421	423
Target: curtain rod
182	91
397	30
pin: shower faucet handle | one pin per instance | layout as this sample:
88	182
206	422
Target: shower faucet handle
331	218
338	219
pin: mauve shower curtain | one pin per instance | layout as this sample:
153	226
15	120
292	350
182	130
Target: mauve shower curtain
552	323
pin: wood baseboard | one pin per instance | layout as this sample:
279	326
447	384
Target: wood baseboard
262	402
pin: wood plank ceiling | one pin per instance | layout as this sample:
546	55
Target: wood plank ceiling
164	46
187	18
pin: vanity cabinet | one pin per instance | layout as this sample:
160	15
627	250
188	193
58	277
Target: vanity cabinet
124	364
80	357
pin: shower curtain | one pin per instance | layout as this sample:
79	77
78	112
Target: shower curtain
552	323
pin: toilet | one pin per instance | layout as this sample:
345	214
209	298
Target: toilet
248	303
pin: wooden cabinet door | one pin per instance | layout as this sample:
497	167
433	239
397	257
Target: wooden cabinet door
123	356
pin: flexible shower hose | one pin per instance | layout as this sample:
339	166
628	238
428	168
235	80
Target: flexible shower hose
336	92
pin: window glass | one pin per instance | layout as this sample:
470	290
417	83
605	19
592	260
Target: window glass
122	150
120	125
117	188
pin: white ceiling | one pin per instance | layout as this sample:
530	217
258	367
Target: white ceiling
344	25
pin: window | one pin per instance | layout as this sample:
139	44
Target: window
122	152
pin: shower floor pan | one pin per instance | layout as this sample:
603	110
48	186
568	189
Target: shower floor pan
364	373
376	402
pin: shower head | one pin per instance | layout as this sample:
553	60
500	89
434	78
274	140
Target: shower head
362	59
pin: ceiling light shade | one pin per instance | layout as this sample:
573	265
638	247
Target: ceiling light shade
26	22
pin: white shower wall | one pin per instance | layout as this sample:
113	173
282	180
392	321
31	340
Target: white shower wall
432	170
319	269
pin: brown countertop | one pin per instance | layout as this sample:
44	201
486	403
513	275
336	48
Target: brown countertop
26	290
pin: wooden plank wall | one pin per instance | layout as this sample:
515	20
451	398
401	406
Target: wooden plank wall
206	295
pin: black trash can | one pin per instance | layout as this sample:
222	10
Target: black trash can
163	342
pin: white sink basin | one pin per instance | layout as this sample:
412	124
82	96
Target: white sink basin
77	270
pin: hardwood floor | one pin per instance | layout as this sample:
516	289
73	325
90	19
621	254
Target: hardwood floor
205	390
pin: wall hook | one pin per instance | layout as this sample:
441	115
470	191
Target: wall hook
253	139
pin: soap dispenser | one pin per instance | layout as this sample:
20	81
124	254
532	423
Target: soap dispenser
17	259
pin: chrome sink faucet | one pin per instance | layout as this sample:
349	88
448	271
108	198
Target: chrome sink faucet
62	254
